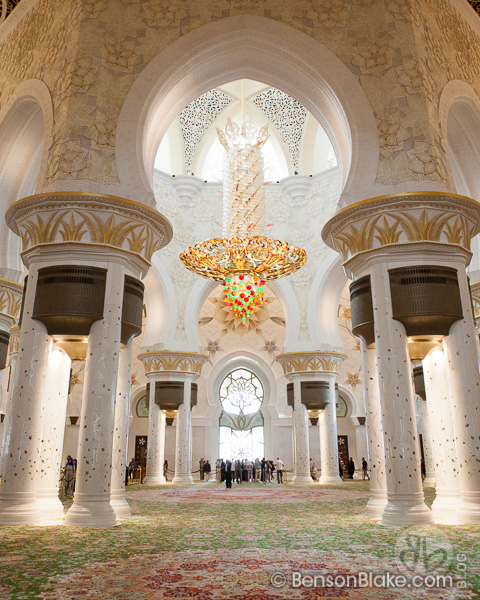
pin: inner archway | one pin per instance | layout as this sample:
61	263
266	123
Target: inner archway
241	419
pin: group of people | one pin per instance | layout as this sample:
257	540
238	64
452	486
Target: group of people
261	471
351	468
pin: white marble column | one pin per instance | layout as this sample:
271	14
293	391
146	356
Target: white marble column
22	433
329	439
156	440
376	452
53	430
464	385
18	495
406	504
7	384
120	435
447	498
302	449
91	505
183	467
429	480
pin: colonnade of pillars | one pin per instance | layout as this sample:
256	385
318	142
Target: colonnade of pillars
313	378
95	300
428	316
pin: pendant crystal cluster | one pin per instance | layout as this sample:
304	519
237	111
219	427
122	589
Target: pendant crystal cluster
243	259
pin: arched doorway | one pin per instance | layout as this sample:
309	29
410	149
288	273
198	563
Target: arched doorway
241	420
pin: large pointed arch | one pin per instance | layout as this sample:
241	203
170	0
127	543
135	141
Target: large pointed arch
256	48
26	124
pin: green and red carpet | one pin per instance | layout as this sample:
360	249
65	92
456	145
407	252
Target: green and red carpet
252	542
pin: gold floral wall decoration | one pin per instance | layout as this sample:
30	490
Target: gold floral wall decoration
232	323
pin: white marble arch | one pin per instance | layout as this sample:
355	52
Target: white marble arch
161	307
257	48
26	123
323	302
459	113
203	287
254	363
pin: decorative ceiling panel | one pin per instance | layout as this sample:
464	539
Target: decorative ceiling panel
196	118
288	116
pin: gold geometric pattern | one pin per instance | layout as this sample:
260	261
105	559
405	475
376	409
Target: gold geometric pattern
10	297
310	362
170	361
403	219
76	218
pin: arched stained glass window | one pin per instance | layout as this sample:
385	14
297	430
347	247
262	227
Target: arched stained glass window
241	422
341	407
241	393
142	407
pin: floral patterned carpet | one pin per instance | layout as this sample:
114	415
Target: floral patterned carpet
252	542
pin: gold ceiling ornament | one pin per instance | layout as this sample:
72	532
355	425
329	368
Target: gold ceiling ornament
307	362
243	259
162	361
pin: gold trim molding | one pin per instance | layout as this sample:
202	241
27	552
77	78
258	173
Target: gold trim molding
167	361
85	219
10	298
311	362
403	219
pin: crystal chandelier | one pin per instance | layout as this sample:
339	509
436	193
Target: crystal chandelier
243	259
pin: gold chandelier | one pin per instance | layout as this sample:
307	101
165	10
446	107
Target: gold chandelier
244	259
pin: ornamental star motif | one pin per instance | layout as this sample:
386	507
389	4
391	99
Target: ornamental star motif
270	346
133	379
353	379
74	380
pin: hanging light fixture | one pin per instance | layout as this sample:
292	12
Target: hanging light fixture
243	259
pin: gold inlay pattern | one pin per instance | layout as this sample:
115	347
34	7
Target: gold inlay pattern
10	297
309	362
403	219
89	219
165	360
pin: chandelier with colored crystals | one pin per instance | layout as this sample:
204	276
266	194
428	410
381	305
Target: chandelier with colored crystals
243	259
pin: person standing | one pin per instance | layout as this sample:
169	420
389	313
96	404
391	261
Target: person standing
351	468
268	472
365	468
228	474
280	468
257	469
132	466
207	469
165	469
202	468
69	477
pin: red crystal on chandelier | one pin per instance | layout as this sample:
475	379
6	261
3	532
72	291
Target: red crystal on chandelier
243	294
